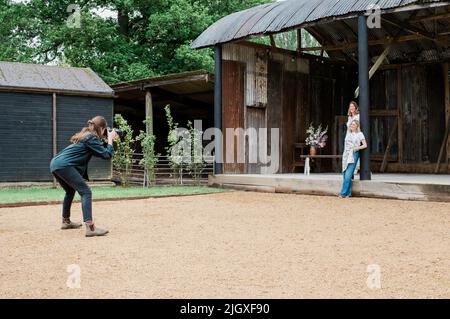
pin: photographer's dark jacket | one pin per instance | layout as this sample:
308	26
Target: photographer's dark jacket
78	155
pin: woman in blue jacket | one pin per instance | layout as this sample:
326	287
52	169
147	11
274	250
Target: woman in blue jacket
69	167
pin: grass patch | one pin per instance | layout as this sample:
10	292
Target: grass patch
35	194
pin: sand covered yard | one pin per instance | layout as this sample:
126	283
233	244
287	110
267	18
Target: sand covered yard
231	245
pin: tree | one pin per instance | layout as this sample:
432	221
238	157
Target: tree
144	38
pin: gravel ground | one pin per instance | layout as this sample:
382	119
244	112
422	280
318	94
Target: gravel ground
231	245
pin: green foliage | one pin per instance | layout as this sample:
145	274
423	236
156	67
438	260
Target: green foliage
196	164
123	156
174	151
149	159
146	38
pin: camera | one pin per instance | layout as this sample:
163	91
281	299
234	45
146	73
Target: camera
119	132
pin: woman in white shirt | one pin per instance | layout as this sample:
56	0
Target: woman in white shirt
353	114
354	142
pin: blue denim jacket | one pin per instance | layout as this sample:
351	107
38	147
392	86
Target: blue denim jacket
78	155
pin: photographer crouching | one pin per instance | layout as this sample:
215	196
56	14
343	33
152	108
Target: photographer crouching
69	167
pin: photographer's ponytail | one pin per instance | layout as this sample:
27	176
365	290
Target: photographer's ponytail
94	126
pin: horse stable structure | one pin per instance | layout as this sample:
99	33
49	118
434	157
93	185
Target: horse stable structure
190	96
393	55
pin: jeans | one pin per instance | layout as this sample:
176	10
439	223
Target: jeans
347	175
71	181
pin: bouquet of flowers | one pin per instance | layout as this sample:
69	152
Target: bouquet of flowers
316	137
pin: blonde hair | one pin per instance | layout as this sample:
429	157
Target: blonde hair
94	126
357	124
356	108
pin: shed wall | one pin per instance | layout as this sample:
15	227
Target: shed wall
25	137
26	132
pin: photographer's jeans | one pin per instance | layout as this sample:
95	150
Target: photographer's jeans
348	174
72	181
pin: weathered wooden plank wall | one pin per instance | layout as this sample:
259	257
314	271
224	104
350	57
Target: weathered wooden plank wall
274	102
422	112
255	119
383	92
446	74
290	120
232	110
298	91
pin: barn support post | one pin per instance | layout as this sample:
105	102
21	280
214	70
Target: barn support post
446	70
400	114
149	112
54	132
218	167
363	65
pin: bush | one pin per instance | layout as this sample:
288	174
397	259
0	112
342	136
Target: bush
149	159
123	157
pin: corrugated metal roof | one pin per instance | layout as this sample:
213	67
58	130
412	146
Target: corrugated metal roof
284	15
44	78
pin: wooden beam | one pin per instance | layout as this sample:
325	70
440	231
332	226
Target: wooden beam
443	146
299	40
400	114
272	41
202	77
446	70
353	45
388	148
414	30
149	112
293	53
430	18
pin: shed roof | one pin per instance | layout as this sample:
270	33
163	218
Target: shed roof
197	86
16	76
284	15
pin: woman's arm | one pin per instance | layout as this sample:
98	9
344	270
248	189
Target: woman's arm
361	147
97	148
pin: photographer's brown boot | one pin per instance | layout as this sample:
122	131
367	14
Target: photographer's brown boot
68	224
92	231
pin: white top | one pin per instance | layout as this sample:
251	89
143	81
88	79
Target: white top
352	140
350	120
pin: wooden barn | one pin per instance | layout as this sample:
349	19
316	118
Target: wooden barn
405	106
41	107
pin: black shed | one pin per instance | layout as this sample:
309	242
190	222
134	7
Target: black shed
41	107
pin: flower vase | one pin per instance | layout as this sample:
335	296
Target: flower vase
313	151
